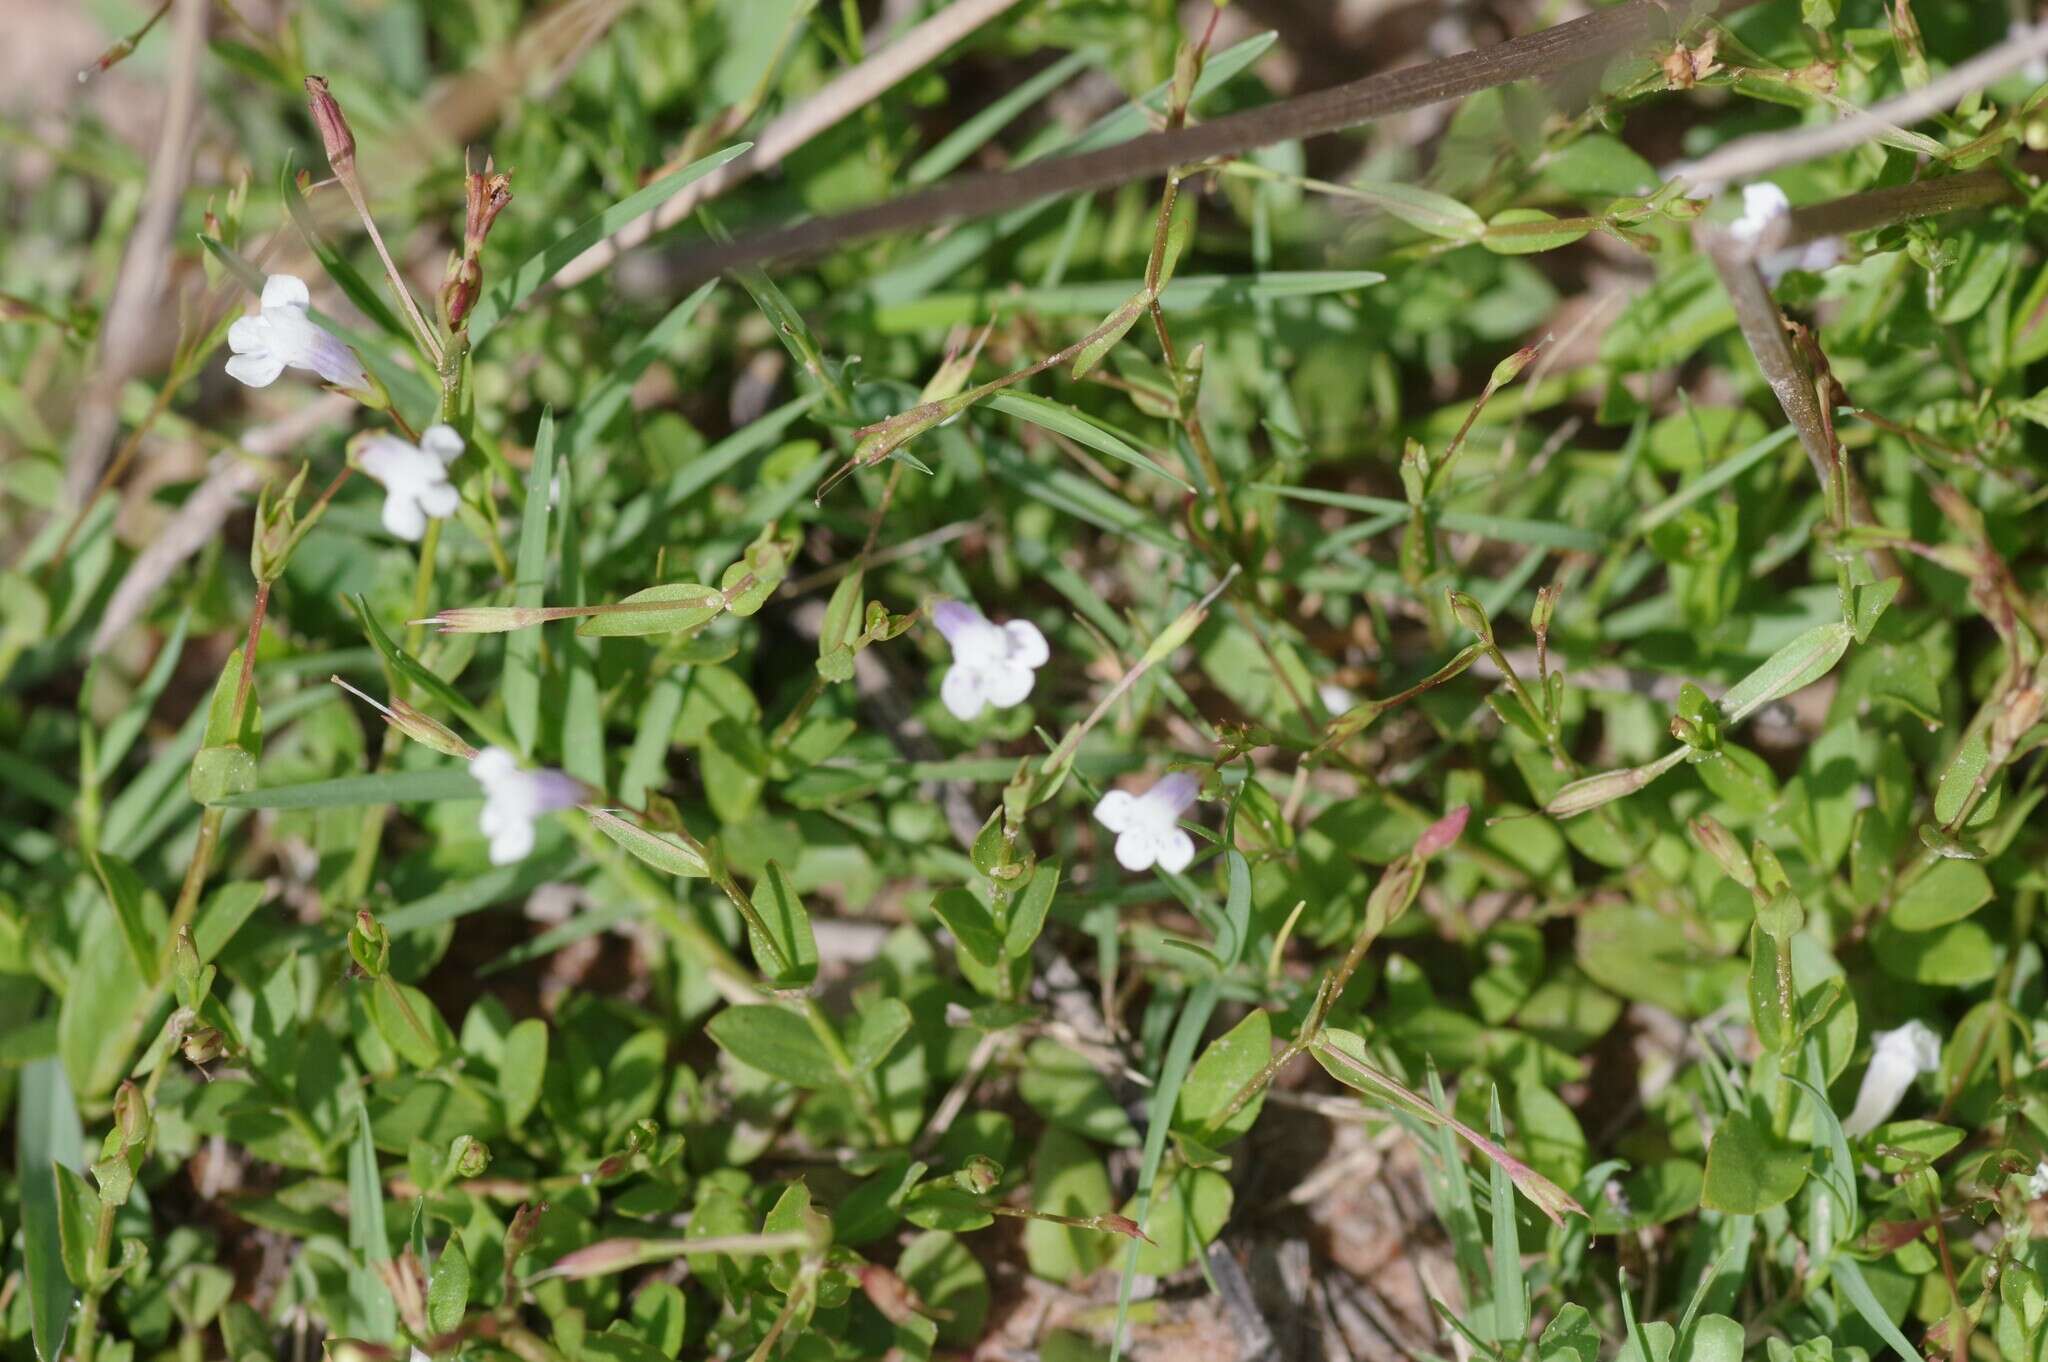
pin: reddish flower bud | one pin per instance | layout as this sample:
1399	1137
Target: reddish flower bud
333	125
1441	835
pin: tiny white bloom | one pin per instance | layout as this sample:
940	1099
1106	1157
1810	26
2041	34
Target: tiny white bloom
2036	69
1764	203
282	336
1897	1058
992	663
1148	825
513	799
2037	1185
415	477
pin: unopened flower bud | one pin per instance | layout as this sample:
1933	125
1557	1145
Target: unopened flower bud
131	1115
469	1156
1510	368
1470	615
888	1293
601	1259
485	619
185	962
203	1045
1590	792
1123	1225
427	731
335	136
1441	835
369	945
1546	606
1720	843
981	1174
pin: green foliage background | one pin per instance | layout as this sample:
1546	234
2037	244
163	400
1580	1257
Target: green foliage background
830	1020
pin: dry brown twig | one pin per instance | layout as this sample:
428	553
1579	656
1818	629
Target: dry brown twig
140	284
839	99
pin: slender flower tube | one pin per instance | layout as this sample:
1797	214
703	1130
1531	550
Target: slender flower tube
415	477
281	336
1148	825
993	664
515	799
1897	1058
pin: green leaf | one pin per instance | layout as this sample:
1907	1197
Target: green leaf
1067	1179
1849	1276
1748	1171
949	1280
658	849
878	1026
522	1070
1069	421
1230	1061
1959	779
1798	664
789	956
1949	892
1437	214
1520	231
372	1313
544	264
1065	1089
448	1288
48	1136
387	787
1028	910
521	684
672	608
969	922
776	1041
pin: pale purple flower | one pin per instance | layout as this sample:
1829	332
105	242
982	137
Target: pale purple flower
992	663
1148	825
415	477
1897	1058
281	336
514	799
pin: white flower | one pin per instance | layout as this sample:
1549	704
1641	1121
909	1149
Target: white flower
513	799
2036	69
1148	825
1897	1058
1764	203
282	337
992	663
2037	1185
415	477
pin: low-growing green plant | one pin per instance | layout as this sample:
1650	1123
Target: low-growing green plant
873	807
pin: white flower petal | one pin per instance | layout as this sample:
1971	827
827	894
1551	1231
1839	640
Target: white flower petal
249	336
1137	849
1005	685
438	499
403	516
286	290
512	843
1118	810
1762	203
1028	647
961	690
1174	850
441	441
1897	1057
1173	793
258	369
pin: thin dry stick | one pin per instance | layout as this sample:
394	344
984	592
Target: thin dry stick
842	97
1748	157
1898	203
139	286
1543	53
199	518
